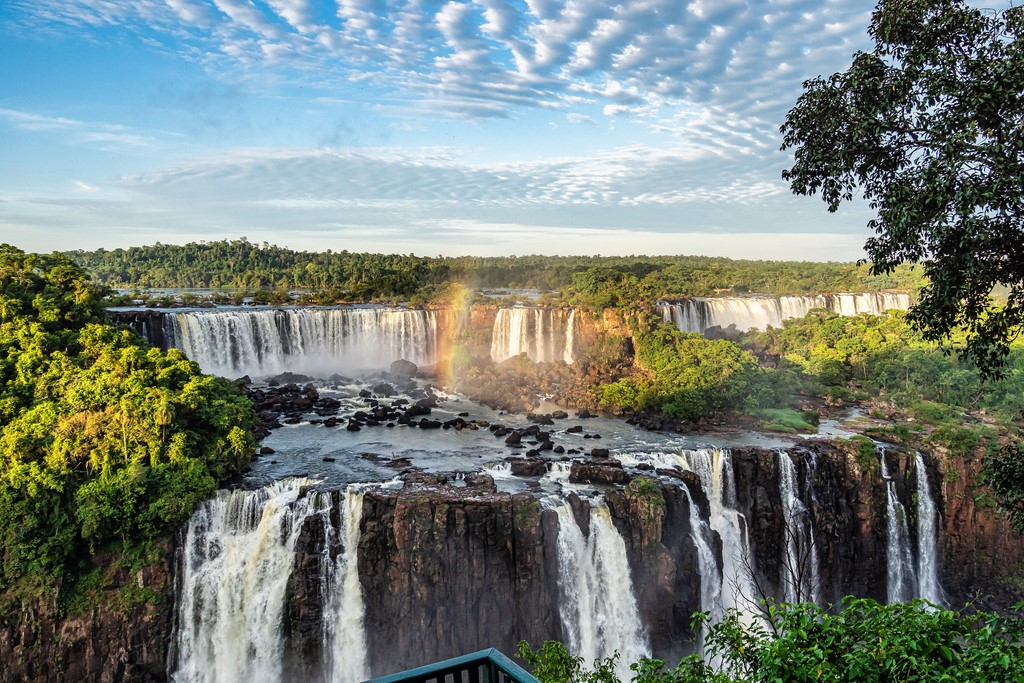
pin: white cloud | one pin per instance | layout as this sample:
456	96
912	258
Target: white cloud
103	136
475	58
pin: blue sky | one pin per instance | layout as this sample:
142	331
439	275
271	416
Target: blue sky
423	126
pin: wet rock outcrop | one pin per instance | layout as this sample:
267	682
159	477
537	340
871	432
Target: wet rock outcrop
118	633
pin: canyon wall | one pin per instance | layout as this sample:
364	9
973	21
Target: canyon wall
446	566
117	633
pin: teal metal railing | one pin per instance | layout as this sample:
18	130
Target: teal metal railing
485	666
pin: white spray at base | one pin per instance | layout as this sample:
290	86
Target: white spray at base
598	606
238	556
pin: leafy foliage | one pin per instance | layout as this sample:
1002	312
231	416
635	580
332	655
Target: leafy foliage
688	377
102	439
862	641
884	356
928	127
1004	472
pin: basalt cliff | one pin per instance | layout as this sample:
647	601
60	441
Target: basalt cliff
446	565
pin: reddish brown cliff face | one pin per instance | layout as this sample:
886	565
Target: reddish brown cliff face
122	636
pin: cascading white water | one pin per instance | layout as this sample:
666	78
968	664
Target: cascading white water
313	341
901	580
700	313
929	587
569	353
344	631
800	573
544	334
707	563
732	585
714	468
598	607
237	557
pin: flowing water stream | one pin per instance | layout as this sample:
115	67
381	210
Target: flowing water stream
598	607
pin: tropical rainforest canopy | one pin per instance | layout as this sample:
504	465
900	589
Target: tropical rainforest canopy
104	441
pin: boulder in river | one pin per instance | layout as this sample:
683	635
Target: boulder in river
403	369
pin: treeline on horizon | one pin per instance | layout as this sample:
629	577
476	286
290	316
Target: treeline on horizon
240	264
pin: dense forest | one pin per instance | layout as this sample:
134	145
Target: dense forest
240	264
106	445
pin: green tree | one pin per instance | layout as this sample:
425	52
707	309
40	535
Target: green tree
928	126
104	442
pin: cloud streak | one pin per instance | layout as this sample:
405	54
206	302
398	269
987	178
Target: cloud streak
103	136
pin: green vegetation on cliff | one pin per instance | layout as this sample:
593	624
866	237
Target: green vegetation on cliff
689	377
863	641
104	442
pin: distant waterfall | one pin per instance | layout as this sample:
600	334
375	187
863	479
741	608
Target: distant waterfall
701	313
901	581
598	607
543	334
314	341
714	467
927	538
569	352
800	573
238	557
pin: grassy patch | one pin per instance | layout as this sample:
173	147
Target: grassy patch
964	440
896	433
931	413
788	420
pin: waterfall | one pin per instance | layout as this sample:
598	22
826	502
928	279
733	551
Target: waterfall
901	581
707	564
714	467
569	355
731	585
800	573
700	313
314	341
237	560
344	631
927	538
598	607
544	334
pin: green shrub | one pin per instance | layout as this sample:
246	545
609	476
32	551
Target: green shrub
860	642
